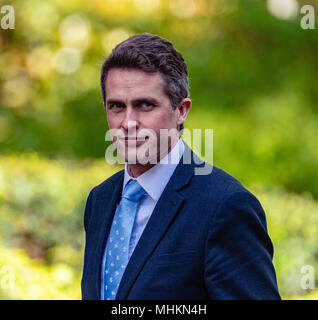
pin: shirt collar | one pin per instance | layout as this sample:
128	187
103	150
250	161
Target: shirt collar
156	178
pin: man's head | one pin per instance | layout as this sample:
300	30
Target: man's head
145	80
151	53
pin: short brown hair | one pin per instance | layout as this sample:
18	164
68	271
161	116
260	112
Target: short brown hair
151	53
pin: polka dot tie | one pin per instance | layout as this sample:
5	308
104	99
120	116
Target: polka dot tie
119	237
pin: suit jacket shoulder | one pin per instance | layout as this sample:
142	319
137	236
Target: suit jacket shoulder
99	194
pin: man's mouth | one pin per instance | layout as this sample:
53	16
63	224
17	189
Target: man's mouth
133	141
134	138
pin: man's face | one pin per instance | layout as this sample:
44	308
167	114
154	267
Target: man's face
136	99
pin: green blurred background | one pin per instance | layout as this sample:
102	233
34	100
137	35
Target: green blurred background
253	79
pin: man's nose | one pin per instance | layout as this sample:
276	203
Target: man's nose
130	121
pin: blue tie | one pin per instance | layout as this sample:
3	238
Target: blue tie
119	237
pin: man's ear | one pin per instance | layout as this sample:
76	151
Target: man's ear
183	110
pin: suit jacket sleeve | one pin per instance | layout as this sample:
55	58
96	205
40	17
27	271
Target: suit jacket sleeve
239	252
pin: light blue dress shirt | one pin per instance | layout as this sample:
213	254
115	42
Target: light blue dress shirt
154	182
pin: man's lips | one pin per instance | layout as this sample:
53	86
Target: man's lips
134	138
129	141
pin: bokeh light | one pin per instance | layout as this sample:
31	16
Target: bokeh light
146	6
16	89
283	9
39	19
74	31
67	60
112	38
183	8
39	62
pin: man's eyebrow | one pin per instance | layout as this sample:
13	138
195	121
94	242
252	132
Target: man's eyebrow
143	99
111	101
135	101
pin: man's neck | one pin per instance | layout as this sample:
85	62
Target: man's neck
136	170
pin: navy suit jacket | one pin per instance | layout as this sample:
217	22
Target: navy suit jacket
206	239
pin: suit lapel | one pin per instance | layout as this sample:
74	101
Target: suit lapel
166	208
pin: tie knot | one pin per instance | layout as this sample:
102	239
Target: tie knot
133	191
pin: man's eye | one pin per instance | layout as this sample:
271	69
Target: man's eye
115	106
146	105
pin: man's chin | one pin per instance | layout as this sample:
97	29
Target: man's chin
138	152
136	156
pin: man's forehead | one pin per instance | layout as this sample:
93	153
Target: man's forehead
132	80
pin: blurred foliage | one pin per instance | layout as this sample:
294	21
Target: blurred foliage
292	222
253	74
34	280
41	223
51	196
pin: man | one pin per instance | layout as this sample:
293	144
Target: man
159	230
